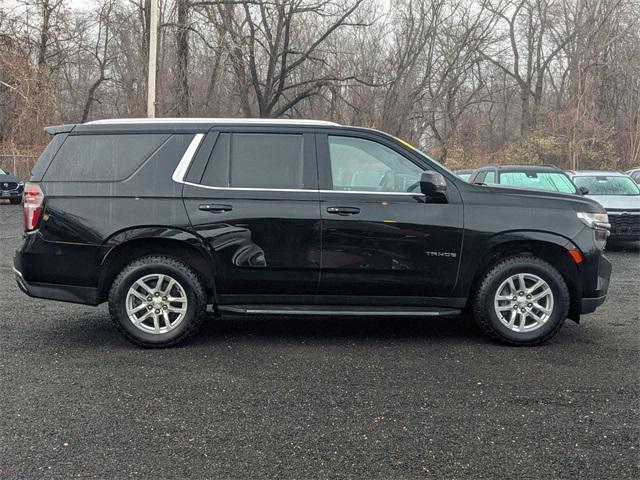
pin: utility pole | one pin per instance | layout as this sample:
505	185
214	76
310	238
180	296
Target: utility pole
153	56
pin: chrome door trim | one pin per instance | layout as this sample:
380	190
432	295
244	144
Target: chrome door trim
181	170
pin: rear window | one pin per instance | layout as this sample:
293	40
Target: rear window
87	158
552	181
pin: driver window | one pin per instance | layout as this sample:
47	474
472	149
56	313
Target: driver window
366	166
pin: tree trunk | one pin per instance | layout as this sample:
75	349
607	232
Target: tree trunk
182	54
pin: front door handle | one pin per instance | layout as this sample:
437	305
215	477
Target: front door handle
215	208
344	211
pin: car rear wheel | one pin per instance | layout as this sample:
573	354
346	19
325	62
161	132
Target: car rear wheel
157	302
522	300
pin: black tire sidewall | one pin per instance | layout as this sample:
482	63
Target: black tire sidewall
139	271
560	300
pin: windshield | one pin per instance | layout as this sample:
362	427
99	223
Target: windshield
607	185
464	176
552	181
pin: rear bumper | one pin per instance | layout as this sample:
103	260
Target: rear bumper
62	293
597	296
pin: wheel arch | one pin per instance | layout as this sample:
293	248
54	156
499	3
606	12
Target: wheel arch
552	248
124	247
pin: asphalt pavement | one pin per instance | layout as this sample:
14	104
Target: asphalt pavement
300	398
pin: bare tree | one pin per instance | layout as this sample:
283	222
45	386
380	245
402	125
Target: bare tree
100	53
271	42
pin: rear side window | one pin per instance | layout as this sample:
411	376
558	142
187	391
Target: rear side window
95	158
257	160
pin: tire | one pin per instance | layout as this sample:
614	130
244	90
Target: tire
15	201
184	315
495	294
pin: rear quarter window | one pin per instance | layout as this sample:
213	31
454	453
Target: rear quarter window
102	158
45	158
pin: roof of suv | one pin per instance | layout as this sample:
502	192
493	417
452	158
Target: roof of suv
180	124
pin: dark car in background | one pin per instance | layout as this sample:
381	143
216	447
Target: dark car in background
162	218
11	187
537	177
619	195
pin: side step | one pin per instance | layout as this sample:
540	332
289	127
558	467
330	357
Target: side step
339	310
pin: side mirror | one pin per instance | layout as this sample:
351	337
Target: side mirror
583	190
432	183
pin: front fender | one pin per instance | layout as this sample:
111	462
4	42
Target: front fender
478	251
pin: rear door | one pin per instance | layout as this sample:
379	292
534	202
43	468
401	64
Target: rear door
255	201
381	236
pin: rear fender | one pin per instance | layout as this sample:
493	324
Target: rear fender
139	241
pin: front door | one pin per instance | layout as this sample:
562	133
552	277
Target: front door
381	237
255	202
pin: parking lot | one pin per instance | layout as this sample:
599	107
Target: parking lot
316	398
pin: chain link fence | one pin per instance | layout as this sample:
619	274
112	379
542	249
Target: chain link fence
18	165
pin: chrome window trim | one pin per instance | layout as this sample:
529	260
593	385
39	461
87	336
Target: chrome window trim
183	165
256	189
365	192
251	189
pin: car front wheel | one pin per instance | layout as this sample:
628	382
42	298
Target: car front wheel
522	300
157	301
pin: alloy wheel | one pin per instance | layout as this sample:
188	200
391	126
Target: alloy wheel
156	303
523	302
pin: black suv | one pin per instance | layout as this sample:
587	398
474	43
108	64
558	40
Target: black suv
163	218
11	187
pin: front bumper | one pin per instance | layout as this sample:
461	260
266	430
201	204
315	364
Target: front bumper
625	226
9	194
597	296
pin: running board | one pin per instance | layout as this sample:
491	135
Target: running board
339	310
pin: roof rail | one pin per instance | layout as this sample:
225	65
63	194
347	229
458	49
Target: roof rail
257	121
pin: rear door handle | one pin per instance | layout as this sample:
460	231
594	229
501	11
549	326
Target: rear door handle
344	211
215	208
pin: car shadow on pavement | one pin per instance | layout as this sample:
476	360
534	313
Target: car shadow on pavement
337	328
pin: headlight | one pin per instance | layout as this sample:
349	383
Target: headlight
597	221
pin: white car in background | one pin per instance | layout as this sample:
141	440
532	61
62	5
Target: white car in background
619	194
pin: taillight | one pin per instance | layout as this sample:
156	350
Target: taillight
32	206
